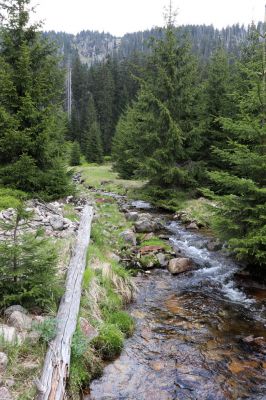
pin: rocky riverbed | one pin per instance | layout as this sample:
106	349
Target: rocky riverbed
199	333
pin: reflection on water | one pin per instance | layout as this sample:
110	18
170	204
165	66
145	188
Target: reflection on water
190	337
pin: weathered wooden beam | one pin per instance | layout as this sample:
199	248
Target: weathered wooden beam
52	384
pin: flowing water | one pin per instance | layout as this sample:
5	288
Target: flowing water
188	342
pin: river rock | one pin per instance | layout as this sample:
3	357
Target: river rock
17	307
129	237
33	337
20	321
114	257
193	226
57	222
3	362
214	245
5	394
8	333
258	342
179	265
10	382
144	226
89	331
151	249
162	259
148	236
132	216
164	237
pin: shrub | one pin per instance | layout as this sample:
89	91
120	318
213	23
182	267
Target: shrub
47	329
109	342
84	366
27	266
122	321
10	198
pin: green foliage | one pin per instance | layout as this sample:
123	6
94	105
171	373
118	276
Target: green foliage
123	321
158	136
240	191
85	365
94	151
32	125
79	373
219	103
10	198
75	154
92	142
47	329
70	212
109	342
87	277
28	266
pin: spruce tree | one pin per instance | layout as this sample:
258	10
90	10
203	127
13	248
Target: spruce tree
240	191
159	136
27	265
80	96
91	134
102	87
94	151
75	154
219	103
31	85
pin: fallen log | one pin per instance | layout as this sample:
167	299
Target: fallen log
51	385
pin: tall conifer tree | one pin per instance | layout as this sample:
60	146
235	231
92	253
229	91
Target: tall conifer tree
31	85
241	217
159	136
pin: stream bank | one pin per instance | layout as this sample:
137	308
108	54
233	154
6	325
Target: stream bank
198	334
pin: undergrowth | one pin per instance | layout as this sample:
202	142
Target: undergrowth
107	288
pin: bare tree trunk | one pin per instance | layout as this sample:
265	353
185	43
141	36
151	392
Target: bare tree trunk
52	383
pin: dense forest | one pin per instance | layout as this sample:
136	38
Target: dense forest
187	112
185	126
94	47
153	145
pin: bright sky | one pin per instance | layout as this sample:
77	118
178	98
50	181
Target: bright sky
122	16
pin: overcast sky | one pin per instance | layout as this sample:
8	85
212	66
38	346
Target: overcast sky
122	16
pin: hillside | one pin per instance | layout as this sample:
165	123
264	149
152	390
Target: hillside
94	46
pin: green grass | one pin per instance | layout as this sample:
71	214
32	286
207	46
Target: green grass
109	342
122	321
85	365
107	287
199	210
20	356
156	242
70	212
103	177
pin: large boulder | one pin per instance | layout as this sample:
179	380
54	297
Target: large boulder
214	245
5	394
11	309
132	216
3	362
145	225
57	222
20	321
179	265
129	237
